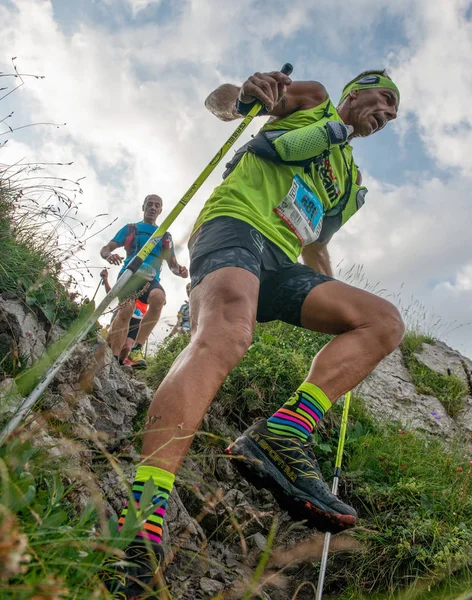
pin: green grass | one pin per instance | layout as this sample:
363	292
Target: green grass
47	543
413	494
414	499
48	550
29	273
413	341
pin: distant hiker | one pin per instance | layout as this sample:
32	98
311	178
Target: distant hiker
183	316
133	237
286	193
140	309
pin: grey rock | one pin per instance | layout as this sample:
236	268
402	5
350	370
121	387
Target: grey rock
464	419
211	586
99	401
390	396
183	530
10	399
21	325
258	541
441	358
224	471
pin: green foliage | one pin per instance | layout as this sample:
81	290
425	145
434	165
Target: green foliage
51	546
28	268
450	390
413	341
160	363
47	550
413	494
414	499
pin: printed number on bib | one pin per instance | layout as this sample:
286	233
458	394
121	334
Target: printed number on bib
302	211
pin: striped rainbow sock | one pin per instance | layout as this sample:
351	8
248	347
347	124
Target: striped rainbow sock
164	481
300	414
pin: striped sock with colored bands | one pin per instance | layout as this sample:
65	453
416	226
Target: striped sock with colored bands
300	414
164	481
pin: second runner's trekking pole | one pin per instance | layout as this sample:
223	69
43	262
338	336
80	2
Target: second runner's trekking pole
334	489
131	269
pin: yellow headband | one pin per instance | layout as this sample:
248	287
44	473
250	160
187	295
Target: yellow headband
370	81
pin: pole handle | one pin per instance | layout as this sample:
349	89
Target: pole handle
287	69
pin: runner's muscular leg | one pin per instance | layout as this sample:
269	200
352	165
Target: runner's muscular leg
127	346
156	300
119	328
367	327
223	316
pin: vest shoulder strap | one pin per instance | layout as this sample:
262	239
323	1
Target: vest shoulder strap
130	239
262	146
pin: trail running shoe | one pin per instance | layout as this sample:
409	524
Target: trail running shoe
130	577
291	472
137	360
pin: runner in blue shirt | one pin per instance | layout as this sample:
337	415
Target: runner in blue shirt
133	237
183	317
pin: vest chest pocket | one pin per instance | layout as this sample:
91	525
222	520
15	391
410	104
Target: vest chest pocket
355	202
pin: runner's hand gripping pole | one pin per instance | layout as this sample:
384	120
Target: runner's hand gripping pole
81	332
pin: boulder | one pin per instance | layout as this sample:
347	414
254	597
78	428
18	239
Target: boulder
390	396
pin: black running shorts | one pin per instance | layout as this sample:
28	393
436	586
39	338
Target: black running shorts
153	285
134	328
228	242
146	287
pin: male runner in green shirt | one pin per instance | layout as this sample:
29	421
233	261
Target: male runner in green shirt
291	189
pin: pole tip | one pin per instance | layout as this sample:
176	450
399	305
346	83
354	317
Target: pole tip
286	69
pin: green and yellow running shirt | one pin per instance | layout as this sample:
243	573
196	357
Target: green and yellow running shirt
256	186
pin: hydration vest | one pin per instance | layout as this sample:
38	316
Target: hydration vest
262	146
130	240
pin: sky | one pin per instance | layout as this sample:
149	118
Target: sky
129	77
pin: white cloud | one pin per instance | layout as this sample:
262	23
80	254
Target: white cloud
139	5
408	238
435	79
462	282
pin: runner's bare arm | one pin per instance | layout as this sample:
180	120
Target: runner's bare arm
316	256
107	253
104	277
171	259
275	90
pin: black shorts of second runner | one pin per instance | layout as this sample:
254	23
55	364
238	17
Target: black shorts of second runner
229	242
134	327
147	289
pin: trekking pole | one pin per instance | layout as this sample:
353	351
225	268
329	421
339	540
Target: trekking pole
334	489
130	270
96	291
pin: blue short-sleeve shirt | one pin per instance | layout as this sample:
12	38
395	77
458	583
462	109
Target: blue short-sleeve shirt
143	233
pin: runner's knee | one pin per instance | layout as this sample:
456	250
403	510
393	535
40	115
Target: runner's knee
126	311
156	299
226	343
389	327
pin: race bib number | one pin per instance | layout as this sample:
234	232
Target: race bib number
302	211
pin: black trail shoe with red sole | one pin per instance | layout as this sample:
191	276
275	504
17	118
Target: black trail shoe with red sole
131	577
290	471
